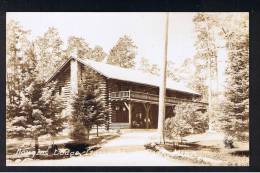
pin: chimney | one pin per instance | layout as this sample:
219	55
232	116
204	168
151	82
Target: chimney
74	68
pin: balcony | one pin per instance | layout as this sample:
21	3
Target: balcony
151	98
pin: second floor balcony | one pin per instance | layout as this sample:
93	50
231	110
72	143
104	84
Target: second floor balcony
150	98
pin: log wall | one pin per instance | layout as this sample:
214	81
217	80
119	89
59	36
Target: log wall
63	83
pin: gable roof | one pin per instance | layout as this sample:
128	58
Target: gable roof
130	75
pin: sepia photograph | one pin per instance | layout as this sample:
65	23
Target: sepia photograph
127	89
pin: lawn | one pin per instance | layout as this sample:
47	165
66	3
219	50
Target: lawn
208	148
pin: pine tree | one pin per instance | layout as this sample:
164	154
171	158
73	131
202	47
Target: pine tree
123	53
88	109
32	109
235	120
20	63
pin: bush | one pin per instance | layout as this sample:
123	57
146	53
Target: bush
228	142
187	120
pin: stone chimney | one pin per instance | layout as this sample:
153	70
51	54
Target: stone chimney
74	73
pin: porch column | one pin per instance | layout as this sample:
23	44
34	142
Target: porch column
129	108
147	111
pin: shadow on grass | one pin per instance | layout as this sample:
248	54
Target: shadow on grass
189	146
240	153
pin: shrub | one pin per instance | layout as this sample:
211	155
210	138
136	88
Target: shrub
228	142
187	120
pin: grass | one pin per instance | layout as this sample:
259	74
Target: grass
212	152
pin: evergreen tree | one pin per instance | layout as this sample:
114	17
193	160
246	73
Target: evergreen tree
32	109
235	120
38	113
88	109
123	53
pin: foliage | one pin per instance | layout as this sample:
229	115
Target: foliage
18	56
32	108
123	53
48	48
177	127
98	54
145	66
188	120
78	132
205	59
235	120
184	73
172	71
37	114
80	46
88	109
154	69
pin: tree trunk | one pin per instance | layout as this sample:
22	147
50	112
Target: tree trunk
52	139
97	130
88	134
36	146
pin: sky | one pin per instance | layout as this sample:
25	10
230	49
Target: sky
99	28
104	29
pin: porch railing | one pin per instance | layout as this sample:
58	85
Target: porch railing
142	96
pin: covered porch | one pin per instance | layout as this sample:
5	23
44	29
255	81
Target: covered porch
133	109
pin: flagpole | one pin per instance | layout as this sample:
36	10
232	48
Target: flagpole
161	113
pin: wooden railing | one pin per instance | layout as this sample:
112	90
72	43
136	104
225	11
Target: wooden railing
142	96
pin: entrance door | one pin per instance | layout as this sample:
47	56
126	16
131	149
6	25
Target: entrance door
121	113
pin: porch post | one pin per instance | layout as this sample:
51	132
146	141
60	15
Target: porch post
147	111
130	115
129	108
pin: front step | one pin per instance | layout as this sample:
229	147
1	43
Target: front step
119	126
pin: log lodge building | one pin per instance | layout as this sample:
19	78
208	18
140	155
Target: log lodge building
132	96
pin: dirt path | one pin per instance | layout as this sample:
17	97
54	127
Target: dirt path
127	150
